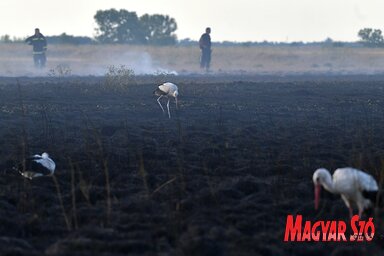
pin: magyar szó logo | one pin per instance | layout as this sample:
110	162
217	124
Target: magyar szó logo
326	231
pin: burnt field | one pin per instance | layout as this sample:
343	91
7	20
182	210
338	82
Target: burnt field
219	178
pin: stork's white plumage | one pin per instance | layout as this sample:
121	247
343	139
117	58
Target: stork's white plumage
38	165
354	186
167	90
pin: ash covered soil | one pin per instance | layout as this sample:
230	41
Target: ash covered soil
219	178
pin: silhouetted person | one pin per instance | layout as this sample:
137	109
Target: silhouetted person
39	44
205	46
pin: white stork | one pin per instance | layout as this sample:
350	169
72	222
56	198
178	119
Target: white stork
167	90
38	165
354	186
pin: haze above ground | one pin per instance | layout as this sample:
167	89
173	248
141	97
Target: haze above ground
240	21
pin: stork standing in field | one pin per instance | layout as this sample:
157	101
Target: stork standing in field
37	166
354	186
167	90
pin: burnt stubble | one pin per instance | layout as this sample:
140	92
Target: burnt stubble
218	178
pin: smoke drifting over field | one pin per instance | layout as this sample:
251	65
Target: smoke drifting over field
95	60
17	60
139	62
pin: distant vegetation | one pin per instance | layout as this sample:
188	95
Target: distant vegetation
126	27
60	39
68	39
371	37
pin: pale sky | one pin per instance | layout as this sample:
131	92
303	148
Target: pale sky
230	20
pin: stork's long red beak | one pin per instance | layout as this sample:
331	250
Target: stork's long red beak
317	195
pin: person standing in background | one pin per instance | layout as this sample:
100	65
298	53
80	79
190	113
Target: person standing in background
205	46
39	44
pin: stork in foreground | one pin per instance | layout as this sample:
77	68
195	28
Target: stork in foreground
167	90
37	166
354	186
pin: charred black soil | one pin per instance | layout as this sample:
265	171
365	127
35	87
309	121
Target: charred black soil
219	178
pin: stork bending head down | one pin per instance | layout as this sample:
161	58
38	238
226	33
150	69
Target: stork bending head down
354	186
167	90
37	166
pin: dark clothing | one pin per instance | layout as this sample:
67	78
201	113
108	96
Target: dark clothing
205	41
205	46
39	44
39	59
205	60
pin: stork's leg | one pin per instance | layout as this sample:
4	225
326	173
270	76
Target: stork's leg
169	113
360	213
361	210
351	212
158	101
348	204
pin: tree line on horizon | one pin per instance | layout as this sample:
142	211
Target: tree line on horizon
125	27
121	27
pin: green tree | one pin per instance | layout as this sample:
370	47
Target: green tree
125	27
118	27
371	37
159	29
